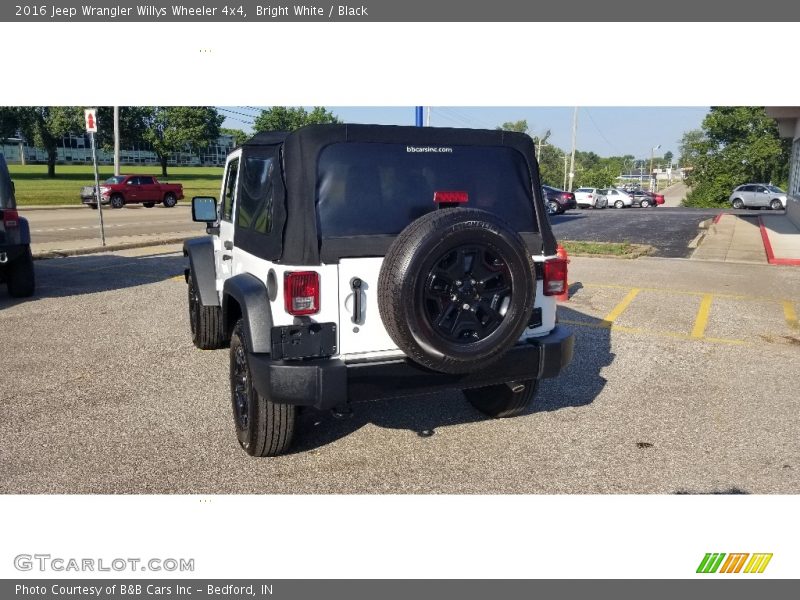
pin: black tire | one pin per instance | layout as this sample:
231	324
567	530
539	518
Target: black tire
645	204
737	203
93	206
170	200
776	204
553	208
20	276
619	204
502	401
205	321
456	289
149	204
263	427
117	201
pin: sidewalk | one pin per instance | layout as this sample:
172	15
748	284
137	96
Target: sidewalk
122	242
757	239
781	240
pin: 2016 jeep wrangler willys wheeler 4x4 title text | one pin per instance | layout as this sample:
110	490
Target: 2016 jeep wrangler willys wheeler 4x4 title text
363	261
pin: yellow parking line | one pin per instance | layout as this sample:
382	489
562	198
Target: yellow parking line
790	315
662	334
620	308
701	321
614	286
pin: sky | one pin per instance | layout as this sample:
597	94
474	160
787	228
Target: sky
607	131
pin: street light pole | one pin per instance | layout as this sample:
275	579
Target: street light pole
652	177
572	160
116	140
563	187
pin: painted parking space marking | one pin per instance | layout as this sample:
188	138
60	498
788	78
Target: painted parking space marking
620	308
701	321
717	318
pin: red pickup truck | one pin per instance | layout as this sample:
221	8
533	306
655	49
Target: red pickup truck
133	189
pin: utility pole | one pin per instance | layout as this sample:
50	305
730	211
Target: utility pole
574	136
563	187
116	140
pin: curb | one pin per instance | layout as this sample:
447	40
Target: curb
768	249
48	254
77	206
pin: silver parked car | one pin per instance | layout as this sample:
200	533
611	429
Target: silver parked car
758	195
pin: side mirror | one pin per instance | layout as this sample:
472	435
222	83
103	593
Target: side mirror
204	209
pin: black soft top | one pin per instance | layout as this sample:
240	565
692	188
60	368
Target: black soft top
7	199
300	152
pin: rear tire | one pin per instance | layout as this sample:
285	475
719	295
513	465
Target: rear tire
263	427
170	200
619	204
645	204
93	206
20	277
501	401
776	204
552	207
737	203
205	321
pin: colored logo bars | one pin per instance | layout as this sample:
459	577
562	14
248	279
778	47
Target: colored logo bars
733	563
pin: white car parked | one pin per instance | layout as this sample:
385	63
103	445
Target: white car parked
617	198
587	196
757	195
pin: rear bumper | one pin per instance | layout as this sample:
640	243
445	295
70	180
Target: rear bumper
330	382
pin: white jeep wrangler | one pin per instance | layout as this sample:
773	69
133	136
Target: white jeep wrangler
358	261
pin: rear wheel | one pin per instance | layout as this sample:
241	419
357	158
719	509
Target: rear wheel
263	427
738	203
117	201
20	278
619	204
645	203
94	206
204	321
504	400
776	204
170	200
552	207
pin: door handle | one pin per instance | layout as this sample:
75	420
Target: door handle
226	257
228	245
355	285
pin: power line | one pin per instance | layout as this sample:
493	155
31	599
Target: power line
610	145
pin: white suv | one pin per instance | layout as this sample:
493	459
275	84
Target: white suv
363	261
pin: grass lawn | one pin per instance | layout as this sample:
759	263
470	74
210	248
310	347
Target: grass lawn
33	186
621	249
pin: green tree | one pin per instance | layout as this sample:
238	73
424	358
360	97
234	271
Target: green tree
283	118
668	156
9	122
551	166
736	144
45	126
175	128
518	126
134	121
239	136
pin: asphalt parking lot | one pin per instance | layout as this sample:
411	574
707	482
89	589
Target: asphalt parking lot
682	383
669	230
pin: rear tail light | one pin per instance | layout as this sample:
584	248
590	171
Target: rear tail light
567	196
10	218
590	196
450	197
301	292
555	276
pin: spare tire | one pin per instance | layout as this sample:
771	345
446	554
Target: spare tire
456	289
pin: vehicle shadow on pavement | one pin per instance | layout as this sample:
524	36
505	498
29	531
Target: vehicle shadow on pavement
578	385
78	275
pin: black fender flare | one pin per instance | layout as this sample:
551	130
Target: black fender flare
250	293
203	268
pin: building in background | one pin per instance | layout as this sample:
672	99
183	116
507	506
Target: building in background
77	150
788	118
